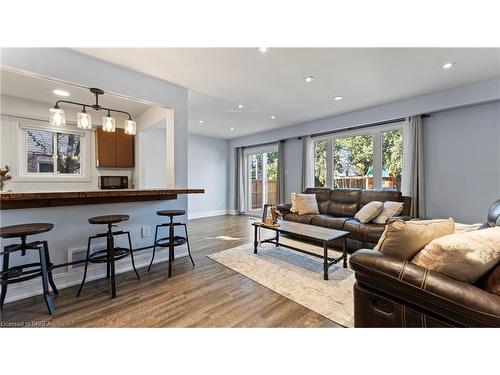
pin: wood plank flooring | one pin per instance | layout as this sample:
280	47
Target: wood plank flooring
207	295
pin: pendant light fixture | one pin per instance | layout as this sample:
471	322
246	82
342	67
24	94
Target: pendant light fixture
108	123
84	119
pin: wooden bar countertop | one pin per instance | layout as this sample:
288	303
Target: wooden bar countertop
16	200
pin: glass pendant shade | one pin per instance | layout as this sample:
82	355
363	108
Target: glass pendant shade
130	127
84	120
57	117
108	124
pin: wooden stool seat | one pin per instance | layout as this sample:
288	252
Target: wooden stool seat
23	230
108	219
171	212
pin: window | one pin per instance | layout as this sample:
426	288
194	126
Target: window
370	158
50	153
262	164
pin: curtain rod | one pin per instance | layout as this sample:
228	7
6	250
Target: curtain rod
355	127
386	122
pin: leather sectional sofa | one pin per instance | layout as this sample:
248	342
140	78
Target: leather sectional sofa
337	208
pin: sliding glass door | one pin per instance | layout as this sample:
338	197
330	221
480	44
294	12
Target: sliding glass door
262	178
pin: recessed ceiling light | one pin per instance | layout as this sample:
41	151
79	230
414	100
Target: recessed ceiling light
61	92
200	121
272	117
240	106
263	49
337	98
308	78
231	129
448	65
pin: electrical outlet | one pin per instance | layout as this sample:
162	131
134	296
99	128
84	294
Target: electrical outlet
145	232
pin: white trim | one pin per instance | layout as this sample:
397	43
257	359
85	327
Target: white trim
199	215
66	279
233	212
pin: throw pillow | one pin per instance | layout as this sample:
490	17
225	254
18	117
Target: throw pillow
369	212
464	256
306	204
293	197
403	239
390	209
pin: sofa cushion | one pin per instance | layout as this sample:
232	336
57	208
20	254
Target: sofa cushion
370	195
344	202
328	221
322	197
390	209
304	219
493	281
463	256
369	212
403	239
363	232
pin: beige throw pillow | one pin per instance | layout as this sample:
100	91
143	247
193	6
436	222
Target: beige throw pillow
306	204
403	239
464	256
294	209
369	212
390	209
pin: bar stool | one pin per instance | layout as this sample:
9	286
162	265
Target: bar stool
171	241
111	254
29	271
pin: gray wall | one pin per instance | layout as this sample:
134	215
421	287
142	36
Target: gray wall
207	169
462	162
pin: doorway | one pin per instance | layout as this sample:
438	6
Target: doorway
262	166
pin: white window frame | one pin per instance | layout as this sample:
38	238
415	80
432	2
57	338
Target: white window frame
22	161
375	132
247	153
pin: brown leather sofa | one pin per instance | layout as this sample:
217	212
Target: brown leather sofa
393	293
337	208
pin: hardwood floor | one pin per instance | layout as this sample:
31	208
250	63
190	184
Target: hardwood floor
207	295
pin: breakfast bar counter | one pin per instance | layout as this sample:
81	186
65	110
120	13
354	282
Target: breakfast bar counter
17	200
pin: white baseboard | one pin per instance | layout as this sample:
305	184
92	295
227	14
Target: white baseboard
233	212
199	215
66	279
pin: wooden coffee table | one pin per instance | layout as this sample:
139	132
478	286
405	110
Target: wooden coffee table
312	232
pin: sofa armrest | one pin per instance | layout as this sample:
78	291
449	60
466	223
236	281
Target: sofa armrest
432	292
284	208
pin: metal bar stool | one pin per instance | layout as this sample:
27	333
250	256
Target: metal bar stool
171	241
111	254
29	271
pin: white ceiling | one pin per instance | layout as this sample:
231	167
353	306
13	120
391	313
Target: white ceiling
272	83
41	89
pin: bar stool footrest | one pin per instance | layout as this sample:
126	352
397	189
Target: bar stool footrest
17	274
165	242
101	256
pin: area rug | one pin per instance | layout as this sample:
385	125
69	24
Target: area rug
296	276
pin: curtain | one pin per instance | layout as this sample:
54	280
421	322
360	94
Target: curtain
281	172
307	170
240	183
412	183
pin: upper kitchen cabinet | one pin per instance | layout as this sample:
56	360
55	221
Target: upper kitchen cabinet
114	150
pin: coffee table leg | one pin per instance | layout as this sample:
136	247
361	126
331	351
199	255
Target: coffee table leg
255	240
344	250
325	260
277	238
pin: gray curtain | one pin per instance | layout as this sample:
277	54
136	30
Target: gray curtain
412	183
281	172
307	173
240	183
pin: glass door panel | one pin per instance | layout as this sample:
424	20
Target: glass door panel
255	190
271	181
262	180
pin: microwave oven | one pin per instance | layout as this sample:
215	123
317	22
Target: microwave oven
113	182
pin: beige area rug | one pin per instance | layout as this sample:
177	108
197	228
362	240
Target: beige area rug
296	276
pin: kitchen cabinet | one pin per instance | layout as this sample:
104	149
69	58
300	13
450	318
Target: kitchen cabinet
114	150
